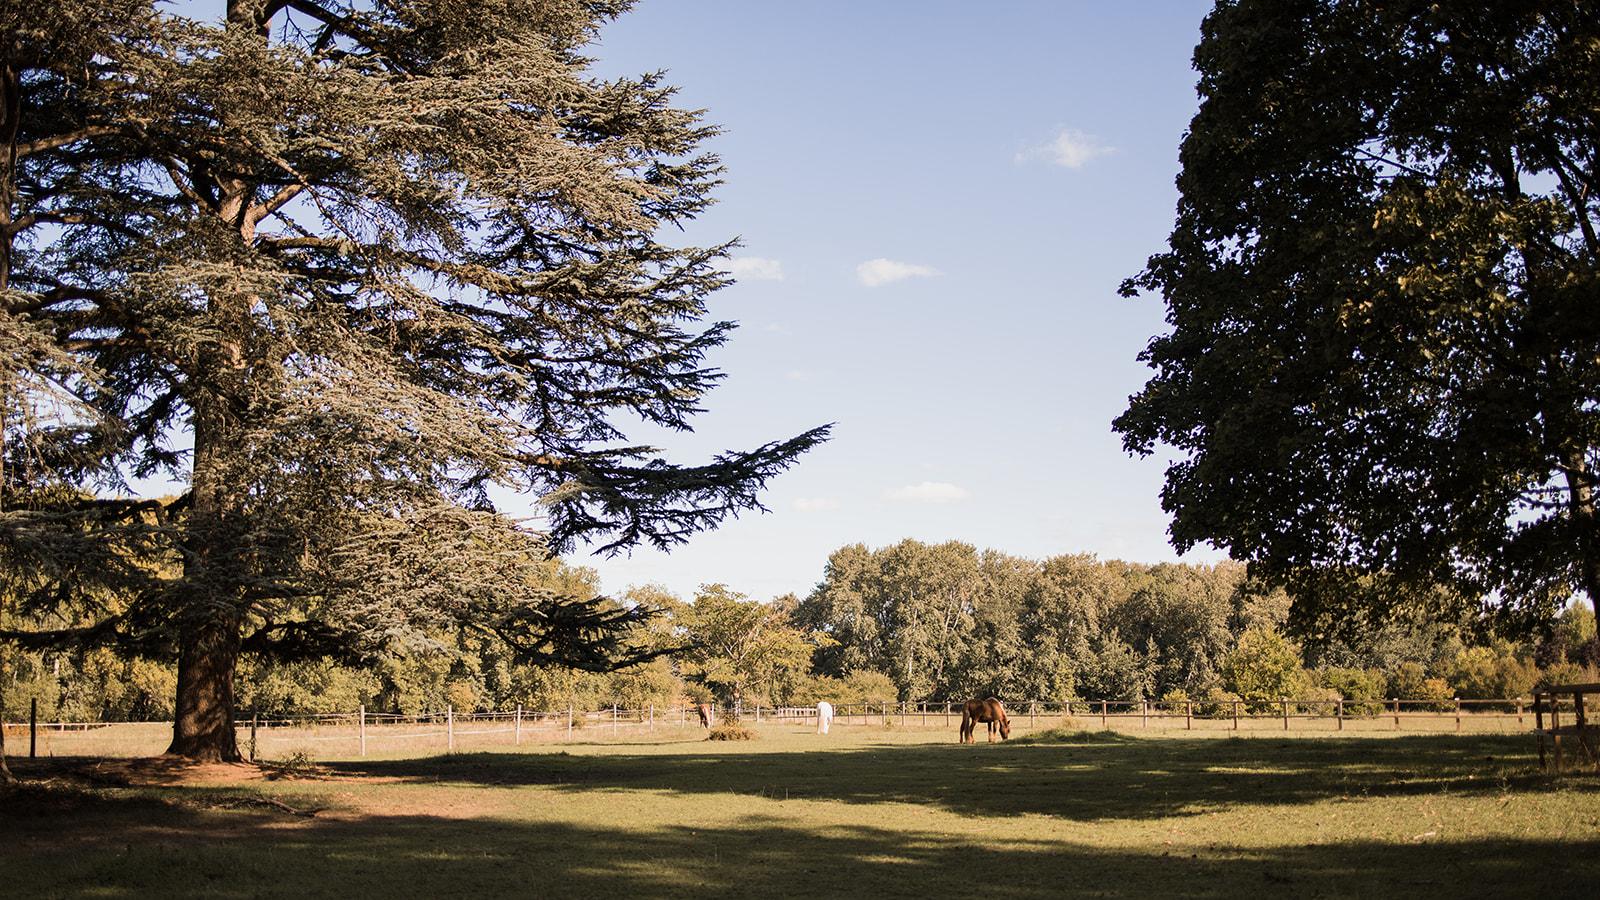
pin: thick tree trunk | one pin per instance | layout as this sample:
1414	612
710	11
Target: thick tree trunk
212	622
210	631
1581	504
203	729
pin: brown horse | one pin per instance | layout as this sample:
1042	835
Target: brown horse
987	710
703	710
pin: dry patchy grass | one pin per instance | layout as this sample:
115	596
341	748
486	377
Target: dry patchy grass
872	813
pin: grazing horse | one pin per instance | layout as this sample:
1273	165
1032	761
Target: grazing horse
703	710
987	710
824	716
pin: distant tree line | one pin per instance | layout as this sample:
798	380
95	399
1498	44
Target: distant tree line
912	621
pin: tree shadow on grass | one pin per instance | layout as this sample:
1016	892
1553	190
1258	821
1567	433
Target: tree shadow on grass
1087	778
185	851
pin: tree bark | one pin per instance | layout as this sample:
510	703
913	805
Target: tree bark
210	632
202	729
1581	501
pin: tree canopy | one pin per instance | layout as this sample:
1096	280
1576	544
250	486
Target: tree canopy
1382	379
342	267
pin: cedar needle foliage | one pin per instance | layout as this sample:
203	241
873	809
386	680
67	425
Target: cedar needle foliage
342	268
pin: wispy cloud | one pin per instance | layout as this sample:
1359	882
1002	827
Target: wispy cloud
815	504
929	492
1069	148
754	268
875	272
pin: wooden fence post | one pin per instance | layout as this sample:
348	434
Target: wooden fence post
1285	702
1555	727
1538	725
947	714
1235	715
1396	712
1144	713
1033	714
362	716
1519	712
1338	710
1103	725
1458	713
569	721
450	727
255	719
1188	715
516	738
33	727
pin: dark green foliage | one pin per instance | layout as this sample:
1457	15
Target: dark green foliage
1383	372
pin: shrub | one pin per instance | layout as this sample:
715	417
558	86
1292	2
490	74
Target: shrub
1567	673
1217	704
1361	689
727	731
1438	692
1175	700
1263	668
1485	673
868	686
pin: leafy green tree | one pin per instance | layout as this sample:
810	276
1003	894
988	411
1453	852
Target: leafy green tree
1571	639
1384	363
342	266
1262	669
1062	615
1178	615
734	643
909	610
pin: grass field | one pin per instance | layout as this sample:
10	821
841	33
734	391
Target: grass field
867	812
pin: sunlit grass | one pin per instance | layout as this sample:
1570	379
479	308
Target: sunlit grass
868	812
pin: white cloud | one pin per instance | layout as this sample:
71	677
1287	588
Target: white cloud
929	492
815	504
754	268
875	272
1069	148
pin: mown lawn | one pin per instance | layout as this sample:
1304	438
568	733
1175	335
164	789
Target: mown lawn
864	813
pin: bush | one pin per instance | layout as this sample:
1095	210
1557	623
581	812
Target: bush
730	732
1485	673
1566	673
1217	704
1325	698
1361	689
1175	700
868	686
1262	669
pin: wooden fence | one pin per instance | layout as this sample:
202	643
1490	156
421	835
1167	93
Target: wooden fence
362	733
1582	737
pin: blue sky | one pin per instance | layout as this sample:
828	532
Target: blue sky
937	202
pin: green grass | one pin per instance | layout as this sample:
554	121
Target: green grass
882	813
